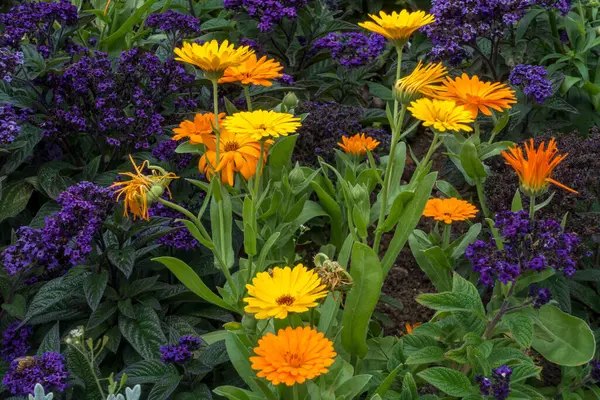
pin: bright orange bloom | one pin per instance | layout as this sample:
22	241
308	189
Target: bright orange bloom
476	95
398	26
254	72
293	356
534	171
449	210
199	130
409	327
358	144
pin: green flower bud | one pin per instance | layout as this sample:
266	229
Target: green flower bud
296	176
290	100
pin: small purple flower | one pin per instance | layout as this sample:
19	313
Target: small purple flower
10	120
9	61
165	151
181	352
15	341
49	370
501	378
595	371
180	25
533	80
268	12
540	296
286	79
180	238
485	385
352	49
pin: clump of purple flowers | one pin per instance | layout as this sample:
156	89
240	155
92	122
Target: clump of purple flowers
176	25
539	297
527	246
498	386
8	63
253	44
10	118
595	371
181	352
268	12
66	239
352	49
165	151
49	370
180	238
15	341
533	79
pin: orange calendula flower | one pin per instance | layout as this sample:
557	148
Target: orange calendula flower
142	190
442	115
423	81
410	328
262	124
254	71
211	57
358	144
534	167
237	153
293	356
286	290
476	95
449	210
199	130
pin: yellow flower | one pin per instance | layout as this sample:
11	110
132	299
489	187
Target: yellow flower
534	171
254	72
237	153
262	124
441	115
421	82
398	27
211	57
199	130
287	290
476	95
358	144
142	189
293	356
449	210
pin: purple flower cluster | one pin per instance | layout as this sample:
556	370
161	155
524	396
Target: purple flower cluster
49	370
66	239
10	118
352	49
15	341
533	79
498	386
182	351
174	23
539	297
595	370
253	44
180	238
527	246
122	105
286	79
165	151
8	63
268	12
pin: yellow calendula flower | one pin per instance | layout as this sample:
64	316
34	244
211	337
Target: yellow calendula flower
358	144
262	124
476	95
398	27
535	166
142	190
213	58
423	81
254	71
441	115
449	210
199	130
293	356
286	290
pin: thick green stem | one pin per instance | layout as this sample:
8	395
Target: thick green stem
216	112
295	392
188	214
258	172
248	99
432	148
531	208
476	128
446	236
481	195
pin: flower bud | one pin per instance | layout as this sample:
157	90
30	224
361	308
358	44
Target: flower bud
404	95
154	193
359	193
290	100
233	326
296	176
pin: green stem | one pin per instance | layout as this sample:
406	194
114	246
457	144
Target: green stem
476	128
531	208
249	269
481	196
295	392
216	112
446	236
432	148
258	172
92	368
188	214
554	29
248	99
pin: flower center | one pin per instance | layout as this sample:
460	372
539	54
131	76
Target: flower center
263	127
285	300
231	146
293	359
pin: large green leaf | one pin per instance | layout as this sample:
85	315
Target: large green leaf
439	275
55	291
81	368
147	371
143	332
15	197
280	156
51	341
335	214
94	286
240	358
448	381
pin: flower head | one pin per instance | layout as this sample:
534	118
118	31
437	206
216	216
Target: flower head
15	341
49	370
535	166
181	352
254	71
352	49
211	57
423	81
293	356
533	79
476	95
449	210
141	190
442	115
397	26
286	290
262	124
410	327
358	144
199	130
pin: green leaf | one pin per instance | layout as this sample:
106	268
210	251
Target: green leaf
438	274
15	197
447	301
459	246
143	332
328	312
128	25
558	103
165	386
235	393
51	180
448	381
517	203
221	219
385	385
429	354
123	259
470	161
104	311
80	367
94	286
280	156
521	328
147	371
447	189
409	388
353	387
30	136
240	358
51	341
57	290
397	210
378	90
334	211
522	372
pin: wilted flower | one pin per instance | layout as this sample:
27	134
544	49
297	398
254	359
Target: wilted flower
332	274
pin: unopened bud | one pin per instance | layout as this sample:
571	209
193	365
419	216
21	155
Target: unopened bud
296	176
290	100
359	193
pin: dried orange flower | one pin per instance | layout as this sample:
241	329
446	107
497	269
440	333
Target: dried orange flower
409	327
254	71
358	144
199	130
449	210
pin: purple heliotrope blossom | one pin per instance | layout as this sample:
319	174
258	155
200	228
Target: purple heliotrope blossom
499	384
15	341
527	246
595	370
533	79
539	297
180	238
10	120
352	49
165	151
181	352
177	26
267	12
9	61
49	370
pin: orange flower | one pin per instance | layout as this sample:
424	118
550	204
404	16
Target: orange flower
199	130
449	210
534	171
253	72
358	144
293	356
409	327
476	95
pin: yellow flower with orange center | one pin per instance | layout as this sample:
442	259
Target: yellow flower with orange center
358	144
423	81
442	115
286	290
141	190
535	166
262	124
254	71
211	57
293	356
237	153
199	130
449	210
397	27
476	95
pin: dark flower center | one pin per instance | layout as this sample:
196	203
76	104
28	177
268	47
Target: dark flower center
285	300
231	146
